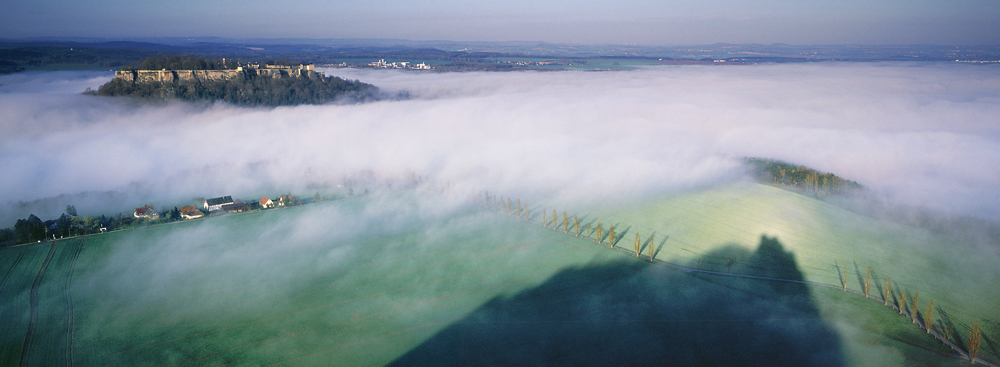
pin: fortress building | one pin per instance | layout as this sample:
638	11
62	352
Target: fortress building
244	72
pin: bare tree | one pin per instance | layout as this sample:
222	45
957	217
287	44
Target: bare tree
929	316
887	291
518	208
611	235
843	281
914	308
902	302
600	239
576	225
565	222
554	215
974	339
636	244
650	248
868	281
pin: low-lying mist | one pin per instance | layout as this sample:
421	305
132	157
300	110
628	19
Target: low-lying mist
919	134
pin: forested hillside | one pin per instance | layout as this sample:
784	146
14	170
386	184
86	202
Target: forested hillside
251	91
783	173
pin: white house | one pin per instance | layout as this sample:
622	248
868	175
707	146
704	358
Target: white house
214	204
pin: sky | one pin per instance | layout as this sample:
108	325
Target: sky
918	134
670	22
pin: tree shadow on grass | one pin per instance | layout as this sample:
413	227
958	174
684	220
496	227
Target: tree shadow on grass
635	313
660	247
949	328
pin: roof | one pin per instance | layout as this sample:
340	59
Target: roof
264	200
143	210
188	209
220	200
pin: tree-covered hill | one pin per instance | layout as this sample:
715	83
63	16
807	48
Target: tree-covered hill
783	173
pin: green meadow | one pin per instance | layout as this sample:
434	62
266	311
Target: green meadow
414	279
826	240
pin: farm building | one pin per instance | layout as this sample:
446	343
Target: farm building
214	204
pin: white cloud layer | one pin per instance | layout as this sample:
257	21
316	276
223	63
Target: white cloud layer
923	134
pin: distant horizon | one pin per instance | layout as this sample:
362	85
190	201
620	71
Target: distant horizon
298	40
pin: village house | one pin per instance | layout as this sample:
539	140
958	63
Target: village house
191	212
214	204
146	212
266	203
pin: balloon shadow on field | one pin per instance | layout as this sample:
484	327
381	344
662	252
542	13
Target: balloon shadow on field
637	313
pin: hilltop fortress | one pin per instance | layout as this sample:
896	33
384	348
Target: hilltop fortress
241	72
183	78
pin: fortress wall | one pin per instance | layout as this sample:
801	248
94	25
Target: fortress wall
216	74
154	76
170	76
124	75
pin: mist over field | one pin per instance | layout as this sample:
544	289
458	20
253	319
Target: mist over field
916	134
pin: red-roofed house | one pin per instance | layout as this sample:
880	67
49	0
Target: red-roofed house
266	203
191	212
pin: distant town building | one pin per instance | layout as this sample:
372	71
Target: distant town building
382	64
266	203
214	204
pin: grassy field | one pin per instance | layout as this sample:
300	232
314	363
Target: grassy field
396	279
826	239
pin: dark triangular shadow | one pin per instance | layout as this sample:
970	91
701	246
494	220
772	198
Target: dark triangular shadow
638	314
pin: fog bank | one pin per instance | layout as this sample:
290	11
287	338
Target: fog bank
920	134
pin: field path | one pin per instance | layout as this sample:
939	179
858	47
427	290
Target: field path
33	302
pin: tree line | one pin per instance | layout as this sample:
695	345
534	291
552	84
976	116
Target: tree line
33	229
178	62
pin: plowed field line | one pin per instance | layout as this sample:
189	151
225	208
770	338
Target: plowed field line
10	271
69	304
33	302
